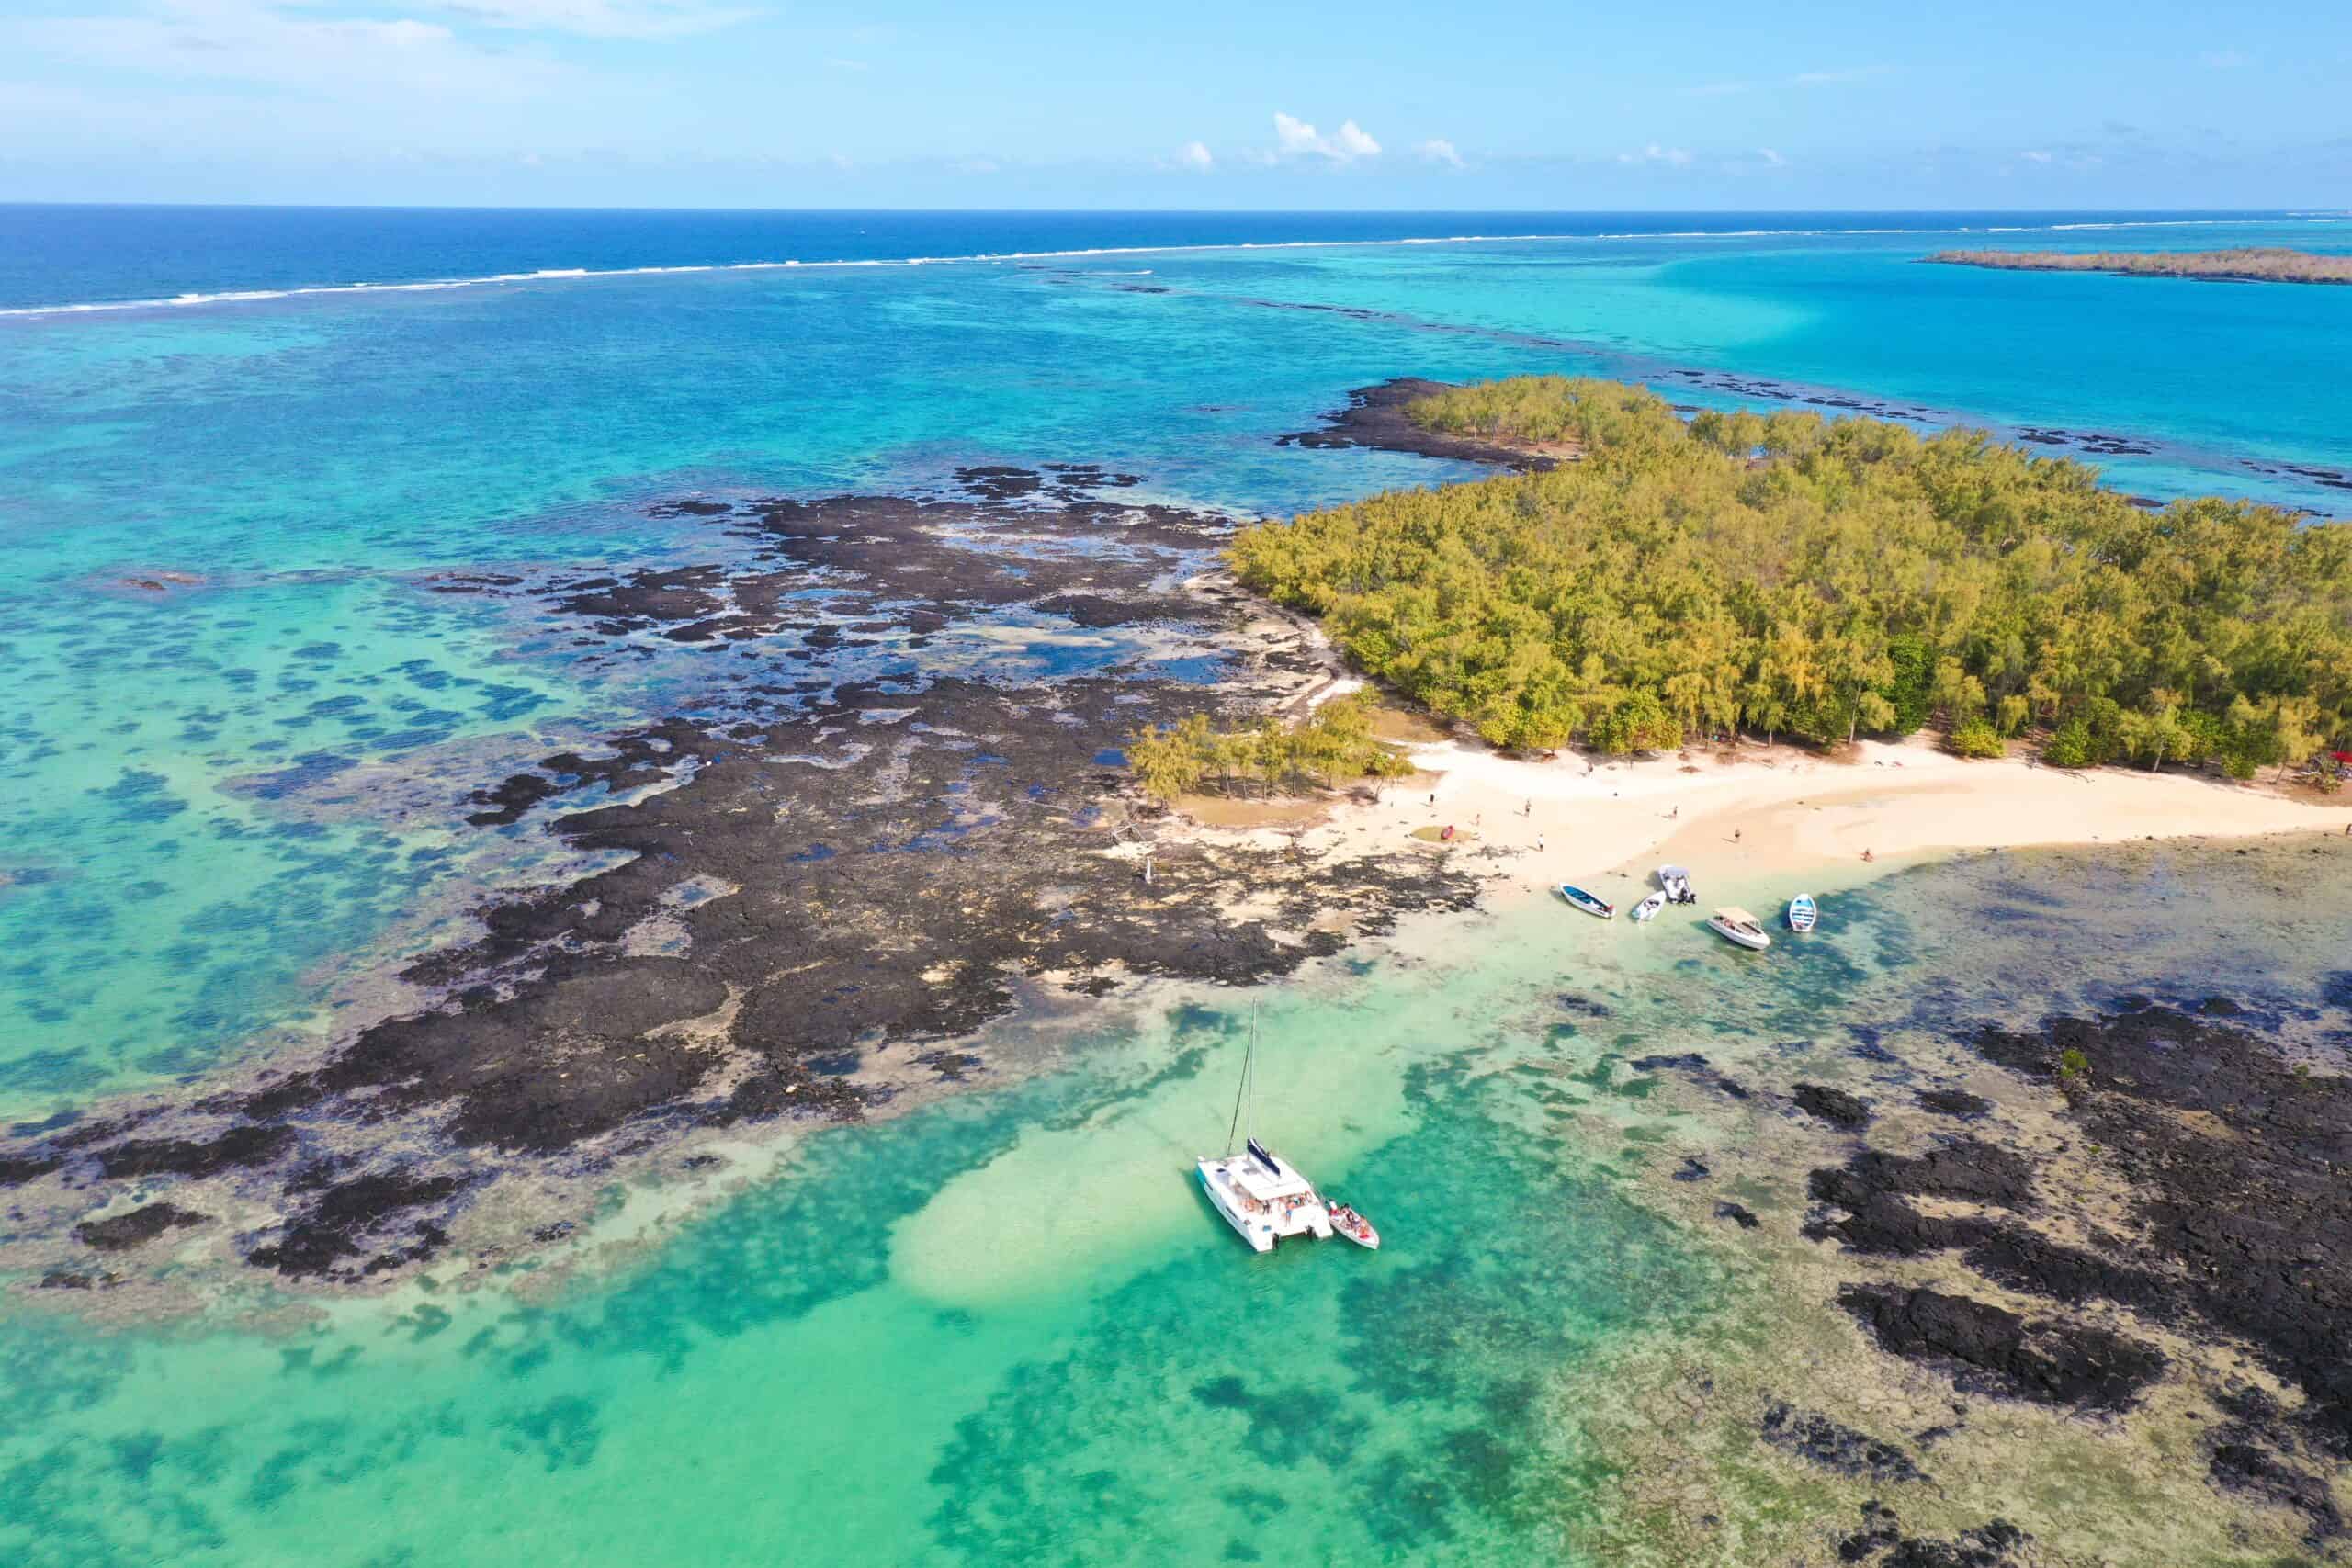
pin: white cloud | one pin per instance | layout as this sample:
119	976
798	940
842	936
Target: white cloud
1801	79
1653	153
1195	155
595	18
2035	157
250	41
838	63
1438	149
974	165
1831	78
1771	159
1294	138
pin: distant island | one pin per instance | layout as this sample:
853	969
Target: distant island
2246	263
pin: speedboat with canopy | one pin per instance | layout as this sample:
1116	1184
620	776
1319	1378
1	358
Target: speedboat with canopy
1739	928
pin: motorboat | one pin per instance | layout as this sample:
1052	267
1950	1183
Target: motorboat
1580	899
1803	913
1647	909
1261	1194
1739	928
1675	882
1354	1226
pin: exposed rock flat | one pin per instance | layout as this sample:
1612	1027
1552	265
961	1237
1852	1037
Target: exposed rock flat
854	853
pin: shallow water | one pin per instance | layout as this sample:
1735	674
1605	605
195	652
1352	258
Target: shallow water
176	859
1003	1326
1007	1328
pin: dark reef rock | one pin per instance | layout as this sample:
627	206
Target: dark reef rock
1737	1214
840	851
134	1227
236	1147
1956	1103
1819	1440
2247	1467
2239	1162
1881	1542
1834	1106
1989	1351
1871	1185
1375	417
1697	1068
334	1227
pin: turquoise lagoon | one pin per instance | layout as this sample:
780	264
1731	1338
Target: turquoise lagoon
238	724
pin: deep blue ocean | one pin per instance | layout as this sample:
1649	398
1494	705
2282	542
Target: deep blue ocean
52	255
238	727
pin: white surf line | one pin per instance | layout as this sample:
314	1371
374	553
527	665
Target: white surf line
560	275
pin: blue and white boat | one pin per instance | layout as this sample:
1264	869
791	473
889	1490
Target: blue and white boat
1579	899
1803	913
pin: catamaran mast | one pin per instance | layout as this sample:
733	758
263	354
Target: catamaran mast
1245	1094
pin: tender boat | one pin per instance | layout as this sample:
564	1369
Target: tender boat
1739	928
1579	899
1648	908
1675	882
1354	1226
1261	1194
1803	912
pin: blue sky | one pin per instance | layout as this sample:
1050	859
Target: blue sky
1511	105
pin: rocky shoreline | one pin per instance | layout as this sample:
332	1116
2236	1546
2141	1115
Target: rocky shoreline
807	906
2130	1217
1374	418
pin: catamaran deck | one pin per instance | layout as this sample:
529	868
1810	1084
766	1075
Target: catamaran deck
1263	1196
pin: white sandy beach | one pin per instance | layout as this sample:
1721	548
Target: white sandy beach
1605	824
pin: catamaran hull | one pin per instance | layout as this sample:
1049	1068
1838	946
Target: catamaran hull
1258	1233
1269	1223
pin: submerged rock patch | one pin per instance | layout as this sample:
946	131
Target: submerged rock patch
844	848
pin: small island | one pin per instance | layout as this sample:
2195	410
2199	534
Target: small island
2246	263
1818	580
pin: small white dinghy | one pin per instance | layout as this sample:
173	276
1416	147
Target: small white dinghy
1346	1221
1647	909
1803	913
1740	929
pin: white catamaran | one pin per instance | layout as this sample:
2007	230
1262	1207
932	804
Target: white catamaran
1260	1193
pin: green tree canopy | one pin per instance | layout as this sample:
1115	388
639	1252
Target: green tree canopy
1822	579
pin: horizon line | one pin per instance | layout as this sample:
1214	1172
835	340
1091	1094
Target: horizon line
2294	211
